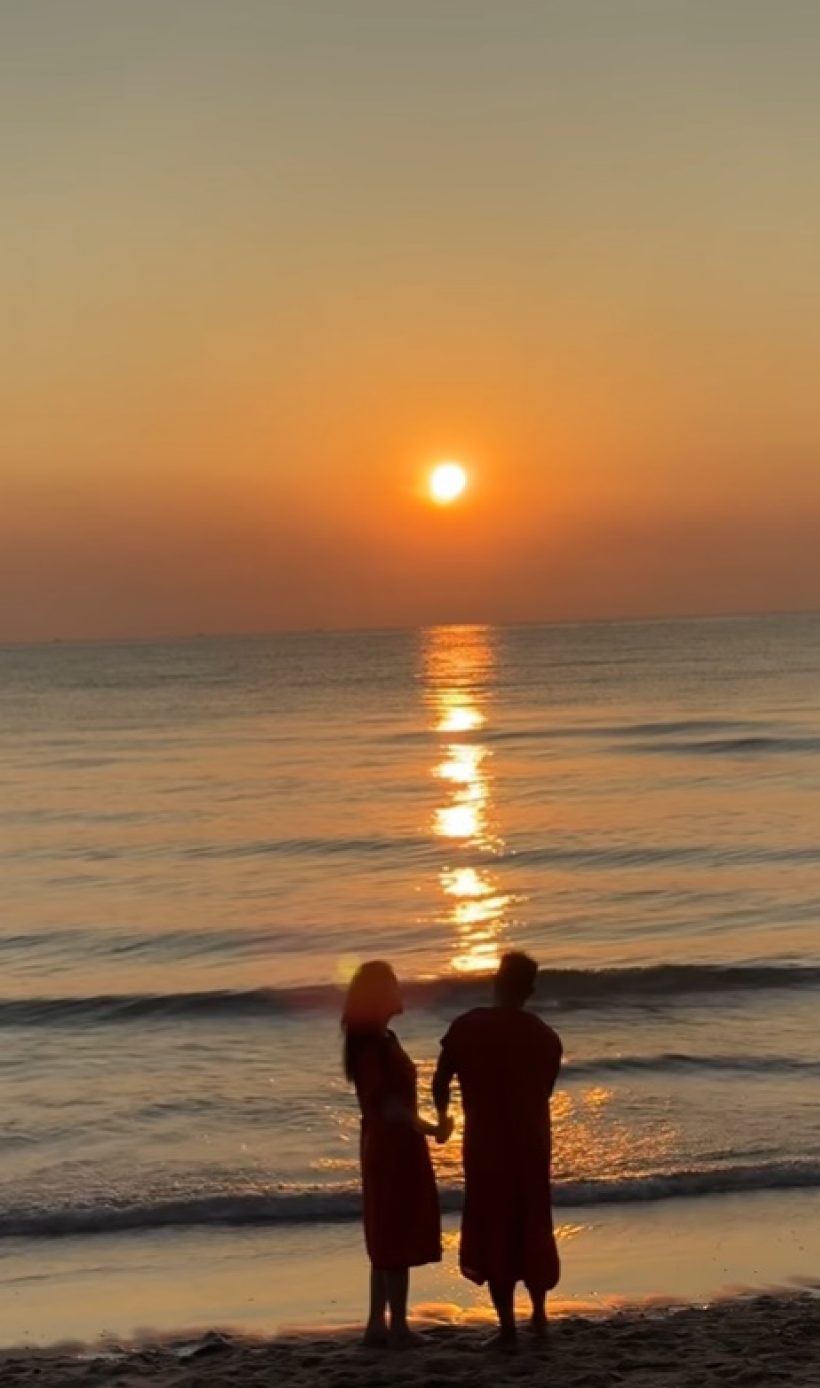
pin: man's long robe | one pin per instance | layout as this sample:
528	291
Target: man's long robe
506	1061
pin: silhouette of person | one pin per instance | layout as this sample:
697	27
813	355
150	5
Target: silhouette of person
506	1061
402	1226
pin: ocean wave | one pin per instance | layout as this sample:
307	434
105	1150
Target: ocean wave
680	737
306	847
339	1204
661	728
683	1063
569	732
661	981
622	731
568	988
330	846
383	852
729	746
645	855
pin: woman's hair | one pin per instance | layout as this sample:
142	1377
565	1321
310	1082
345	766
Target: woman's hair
373	997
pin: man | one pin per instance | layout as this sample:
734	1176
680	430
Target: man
506	1061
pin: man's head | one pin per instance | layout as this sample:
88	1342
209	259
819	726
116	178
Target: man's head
515	980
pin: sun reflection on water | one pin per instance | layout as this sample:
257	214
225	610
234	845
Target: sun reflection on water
457	671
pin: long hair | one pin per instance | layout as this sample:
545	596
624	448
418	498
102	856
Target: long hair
372	999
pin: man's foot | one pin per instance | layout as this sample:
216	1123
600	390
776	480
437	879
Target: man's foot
505	1342
402	1337
539	1327
375	1337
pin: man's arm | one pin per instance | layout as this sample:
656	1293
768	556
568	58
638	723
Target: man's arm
442	1079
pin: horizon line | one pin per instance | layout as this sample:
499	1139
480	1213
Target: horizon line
380	629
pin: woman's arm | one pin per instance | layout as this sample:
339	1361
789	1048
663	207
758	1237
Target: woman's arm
370	1087
396	1112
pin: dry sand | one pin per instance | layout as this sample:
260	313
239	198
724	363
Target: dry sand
756	1341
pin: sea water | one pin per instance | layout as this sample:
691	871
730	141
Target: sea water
200	839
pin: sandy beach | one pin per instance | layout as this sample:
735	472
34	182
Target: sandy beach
757	1341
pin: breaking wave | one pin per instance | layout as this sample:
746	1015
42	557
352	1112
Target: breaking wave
337	1204
567	988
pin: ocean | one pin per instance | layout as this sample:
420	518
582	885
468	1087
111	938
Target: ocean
200	839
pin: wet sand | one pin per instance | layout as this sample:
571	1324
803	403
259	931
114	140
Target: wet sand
270	1280
763	1340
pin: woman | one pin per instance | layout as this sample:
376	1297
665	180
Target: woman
402	1227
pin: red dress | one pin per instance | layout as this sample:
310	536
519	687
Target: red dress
507	1062
402	1225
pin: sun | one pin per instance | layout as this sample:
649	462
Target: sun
447	482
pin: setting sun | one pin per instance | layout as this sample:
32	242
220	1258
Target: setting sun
447	482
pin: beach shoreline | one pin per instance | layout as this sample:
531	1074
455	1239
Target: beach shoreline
276	1280
759	1340
670	1295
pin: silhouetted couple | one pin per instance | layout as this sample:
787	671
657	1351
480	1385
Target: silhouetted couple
506	1061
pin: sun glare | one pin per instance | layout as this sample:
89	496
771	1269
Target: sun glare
447	482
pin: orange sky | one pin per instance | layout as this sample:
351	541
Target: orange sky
266	263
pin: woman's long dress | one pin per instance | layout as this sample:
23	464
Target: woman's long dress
402	1224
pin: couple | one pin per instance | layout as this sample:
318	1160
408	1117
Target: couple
506	1061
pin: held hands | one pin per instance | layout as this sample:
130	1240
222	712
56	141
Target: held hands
444	1130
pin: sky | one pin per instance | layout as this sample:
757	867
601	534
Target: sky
265	262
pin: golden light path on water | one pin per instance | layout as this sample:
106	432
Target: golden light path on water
458	674
458	665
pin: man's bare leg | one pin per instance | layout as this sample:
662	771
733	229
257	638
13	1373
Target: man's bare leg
539	1324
